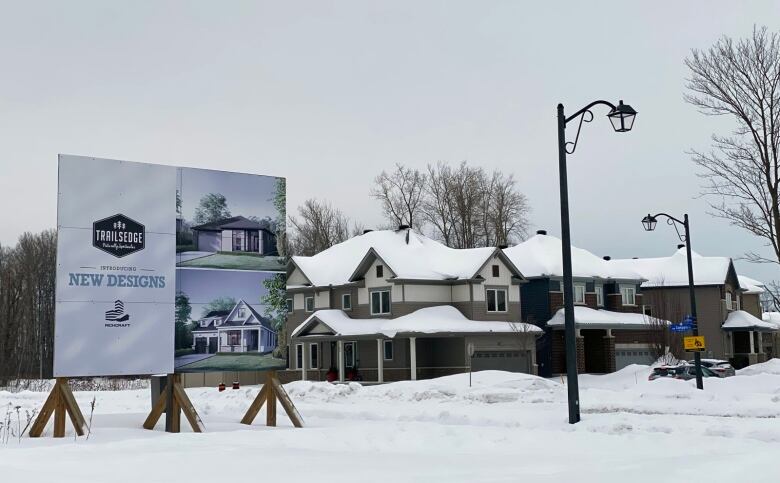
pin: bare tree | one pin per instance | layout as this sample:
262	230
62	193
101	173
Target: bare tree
465	207
401	193
318	226
741	79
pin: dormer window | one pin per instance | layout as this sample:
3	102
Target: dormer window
241	313
380	271
495	271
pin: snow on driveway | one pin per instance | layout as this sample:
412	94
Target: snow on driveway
506	428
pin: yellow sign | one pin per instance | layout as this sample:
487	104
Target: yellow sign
694	343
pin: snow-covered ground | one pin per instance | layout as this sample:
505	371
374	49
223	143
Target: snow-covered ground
507	427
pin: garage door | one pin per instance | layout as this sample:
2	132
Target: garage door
640	355
512	361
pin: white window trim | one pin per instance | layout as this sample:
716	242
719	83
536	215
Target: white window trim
599	289
343	296
384	350
389	299
306	304
506	300
291	304
623	298
299	350
576	286
311	364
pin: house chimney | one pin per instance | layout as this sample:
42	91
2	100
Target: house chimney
541	232
367	231
607	257
681	245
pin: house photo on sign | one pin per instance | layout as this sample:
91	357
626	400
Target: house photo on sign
161	267
229	271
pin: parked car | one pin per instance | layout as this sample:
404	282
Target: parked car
720	367
683	371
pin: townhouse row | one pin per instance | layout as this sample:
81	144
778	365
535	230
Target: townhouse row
393	305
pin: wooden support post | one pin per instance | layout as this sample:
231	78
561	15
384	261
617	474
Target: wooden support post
340	355
413	357
271	392
59	402
174	401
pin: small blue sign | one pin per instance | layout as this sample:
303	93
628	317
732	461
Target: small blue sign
680	328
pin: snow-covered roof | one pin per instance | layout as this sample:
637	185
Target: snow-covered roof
540	256
751	285
772	318
672	271
741	320
586	316
429	320
417	257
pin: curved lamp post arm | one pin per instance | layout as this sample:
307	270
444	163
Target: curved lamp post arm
674	222
586	115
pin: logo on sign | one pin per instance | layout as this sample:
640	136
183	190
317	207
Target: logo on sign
118	235
117	317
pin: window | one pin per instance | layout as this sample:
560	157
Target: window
380	270
739	302
234	337
349	354
241	313
496	300
346	301
628	295
728	301
388	346
495	270
289	305
314	356
647	310
599	295
309	304
579	294
380	302
299	356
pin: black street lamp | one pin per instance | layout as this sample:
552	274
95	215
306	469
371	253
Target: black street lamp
622	118
649	223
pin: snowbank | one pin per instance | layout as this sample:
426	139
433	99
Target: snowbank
772	366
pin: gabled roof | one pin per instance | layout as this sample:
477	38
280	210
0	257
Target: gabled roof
540	256
232	223
672	271
428	320
751	285
253	314
408	254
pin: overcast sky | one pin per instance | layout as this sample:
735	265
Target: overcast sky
328	94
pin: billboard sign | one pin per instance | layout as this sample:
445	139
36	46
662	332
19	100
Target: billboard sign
157	264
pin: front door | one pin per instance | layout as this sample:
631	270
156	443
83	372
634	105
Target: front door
350	354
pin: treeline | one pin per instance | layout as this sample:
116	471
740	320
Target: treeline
27	283
462	206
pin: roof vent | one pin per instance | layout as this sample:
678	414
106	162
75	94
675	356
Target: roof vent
403	227
367	231
681	245
541	232
503	247
607	257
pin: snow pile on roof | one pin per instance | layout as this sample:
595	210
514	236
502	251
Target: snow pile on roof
429	320
740	320
586	316
673	271
751	285
772	318
772	366
421	258
540	256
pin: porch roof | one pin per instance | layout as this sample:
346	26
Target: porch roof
430	320
586	317
741	320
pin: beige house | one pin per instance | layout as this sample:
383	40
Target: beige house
728	305
394	304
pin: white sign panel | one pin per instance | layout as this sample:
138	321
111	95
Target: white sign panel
116	264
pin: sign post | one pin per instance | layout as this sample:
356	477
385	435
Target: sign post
471	358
